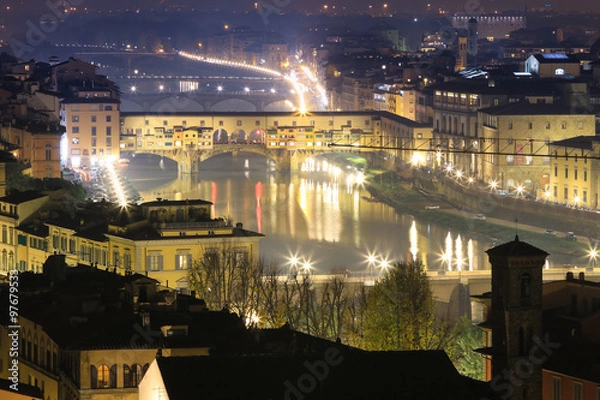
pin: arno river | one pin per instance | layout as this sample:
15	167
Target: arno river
321	216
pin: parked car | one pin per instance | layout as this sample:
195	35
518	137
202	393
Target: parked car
571	236
432	207
550	232
479	217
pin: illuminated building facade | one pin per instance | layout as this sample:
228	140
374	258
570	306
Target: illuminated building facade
574	172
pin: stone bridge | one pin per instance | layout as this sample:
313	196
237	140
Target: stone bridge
188	160
203	102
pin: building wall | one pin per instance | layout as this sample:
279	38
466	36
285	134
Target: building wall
573	176
38	357
92	132
559	386
511	134
153	385
156	132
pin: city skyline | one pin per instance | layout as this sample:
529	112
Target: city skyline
392	6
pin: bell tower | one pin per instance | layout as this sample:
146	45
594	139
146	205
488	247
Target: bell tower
516	317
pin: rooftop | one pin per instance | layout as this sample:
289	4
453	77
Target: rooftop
516	248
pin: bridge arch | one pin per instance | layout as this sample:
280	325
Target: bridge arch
239	136
279	105
234	104
220	136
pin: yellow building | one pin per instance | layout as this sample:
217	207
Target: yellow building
512	149
160	238
36	354
155	132
574	176
91	120
15	251
37	144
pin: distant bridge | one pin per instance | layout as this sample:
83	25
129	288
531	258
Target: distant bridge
204	102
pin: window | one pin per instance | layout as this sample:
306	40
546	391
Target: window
75	129
240	257
510	126
75	118
556	388
132	376
48	155
577	391
566	193
108	108
580	125
584	196
220	123
585	175
575	174
154	261
556	170
93	118
103	377
93	131
108	118
93	142
530	125
108	142
563	125
183	259
165	122
127	260
108	131
510	159
75	140
116	259
238	122
547	125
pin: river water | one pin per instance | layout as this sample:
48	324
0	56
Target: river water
322	217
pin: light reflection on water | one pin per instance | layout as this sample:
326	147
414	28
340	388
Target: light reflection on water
322	214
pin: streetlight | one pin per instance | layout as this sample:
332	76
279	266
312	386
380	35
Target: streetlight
494	185
219	88
592	254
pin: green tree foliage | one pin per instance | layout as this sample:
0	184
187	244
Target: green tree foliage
400	312
17	181
465	338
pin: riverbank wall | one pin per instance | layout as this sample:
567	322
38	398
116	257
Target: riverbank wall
526	211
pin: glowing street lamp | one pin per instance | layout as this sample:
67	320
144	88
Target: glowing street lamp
520	190
219	88
592	254
471	180
494	185
247	89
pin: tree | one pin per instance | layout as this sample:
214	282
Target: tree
465	338
224	278
400	312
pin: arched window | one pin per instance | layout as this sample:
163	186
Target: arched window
132	376
103	376
525	285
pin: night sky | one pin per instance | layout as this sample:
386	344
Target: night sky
39	6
